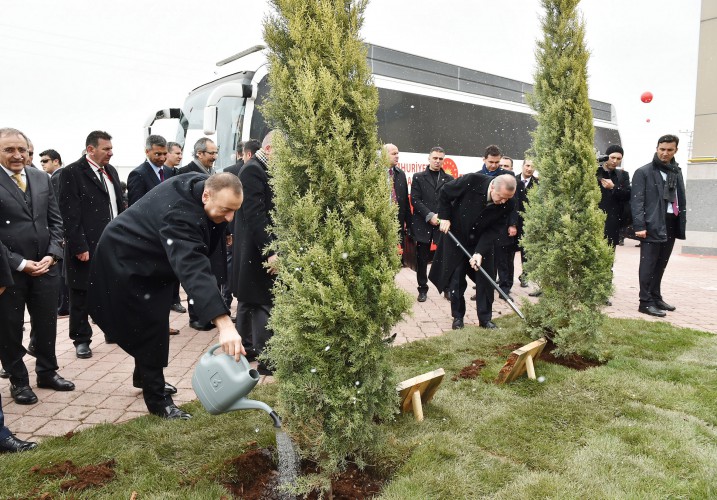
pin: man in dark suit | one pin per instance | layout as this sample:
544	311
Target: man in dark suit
8	442
32	241
171	165
659	215
90	197
614	186
526	178
475	208
150	173
424	227
399	190
168	235
507	242
205	154
252	279
51	162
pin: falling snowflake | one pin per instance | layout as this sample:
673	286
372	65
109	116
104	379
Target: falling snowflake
345	255
313	370
169	241
146	296
541	379
358	383
327	348
191	302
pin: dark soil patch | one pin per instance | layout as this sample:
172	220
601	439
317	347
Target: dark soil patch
85	477
573	361
256	478
471	371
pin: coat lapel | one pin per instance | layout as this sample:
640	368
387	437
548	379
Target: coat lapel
87	170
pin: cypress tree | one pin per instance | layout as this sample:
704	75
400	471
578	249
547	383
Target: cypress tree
567	254
335	296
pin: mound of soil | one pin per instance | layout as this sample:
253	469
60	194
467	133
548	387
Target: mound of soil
573	361
85	477
471	371
257	478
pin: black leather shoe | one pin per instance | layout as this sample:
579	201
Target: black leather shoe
11	444
489	325
168	388
264	370
23	395
31	349
664	306
422	296
173	331
503	298
652	311
171	412
83	350
3	373
55	382
178	308
457	323
201	326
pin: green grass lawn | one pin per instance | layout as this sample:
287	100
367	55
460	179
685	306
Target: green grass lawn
640	426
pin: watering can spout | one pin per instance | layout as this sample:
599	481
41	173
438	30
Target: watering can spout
222	384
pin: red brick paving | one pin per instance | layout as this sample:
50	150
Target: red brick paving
104	384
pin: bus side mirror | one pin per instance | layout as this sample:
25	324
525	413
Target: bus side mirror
210	120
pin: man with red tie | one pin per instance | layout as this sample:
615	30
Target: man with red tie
90	197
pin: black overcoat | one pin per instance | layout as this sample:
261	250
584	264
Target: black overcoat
5	272
164	237
400	184
476	224
613	201
424	197
648	205
250	282
521	200
85	209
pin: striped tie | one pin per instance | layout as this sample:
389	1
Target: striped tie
20	182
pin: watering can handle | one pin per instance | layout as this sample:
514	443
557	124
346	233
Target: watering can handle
243	359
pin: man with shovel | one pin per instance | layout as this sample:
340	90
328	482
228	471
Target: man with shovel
475	208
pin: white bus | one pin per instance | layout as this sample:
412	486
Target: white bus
422	103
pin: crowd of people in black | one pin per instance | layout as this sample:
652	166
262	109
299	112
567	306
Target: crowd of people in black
75	243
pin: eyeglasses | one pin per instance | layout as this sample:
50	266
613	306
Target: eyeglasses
210	152
11	151
45	160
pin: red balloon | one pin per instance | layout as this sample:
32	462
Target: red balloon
646	97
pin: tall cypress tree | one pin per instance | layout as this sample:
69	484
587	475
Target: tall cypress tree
567	254
335	297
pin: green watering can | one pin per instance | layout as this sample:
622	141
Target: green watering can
222	384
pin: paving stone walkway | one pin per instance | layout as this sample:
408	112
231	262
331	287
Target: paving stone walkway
104	390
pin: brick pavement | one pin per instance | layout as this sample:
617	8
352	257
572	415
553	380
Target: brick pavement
104	382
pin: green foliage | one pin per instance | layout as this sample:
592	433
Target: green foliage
335	298
568	255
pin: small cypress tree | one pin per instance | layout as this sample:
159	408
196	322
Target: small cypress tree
335	297
567	254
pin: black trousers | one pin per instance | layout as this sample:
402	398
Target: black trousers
175	296
505	262
151	378
653	261
251	324
423	254
63	301
39	294
80	329
484	290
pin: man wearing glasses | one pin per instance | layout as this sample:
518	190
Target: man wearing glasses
205	154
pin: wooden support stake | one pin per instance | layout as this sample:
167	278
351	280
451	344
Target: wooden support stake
417	407
418	391
529	367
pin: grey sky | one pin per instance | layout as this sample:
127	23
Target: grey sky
74	66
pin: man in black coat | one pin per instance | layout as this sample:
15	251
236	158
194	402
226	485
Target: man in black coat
31	237
424	228
399	191
168	235
475	208
529	181
51	162
171	165
252	280
90	197
507	243
8	442
659	215
150	173
614	186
